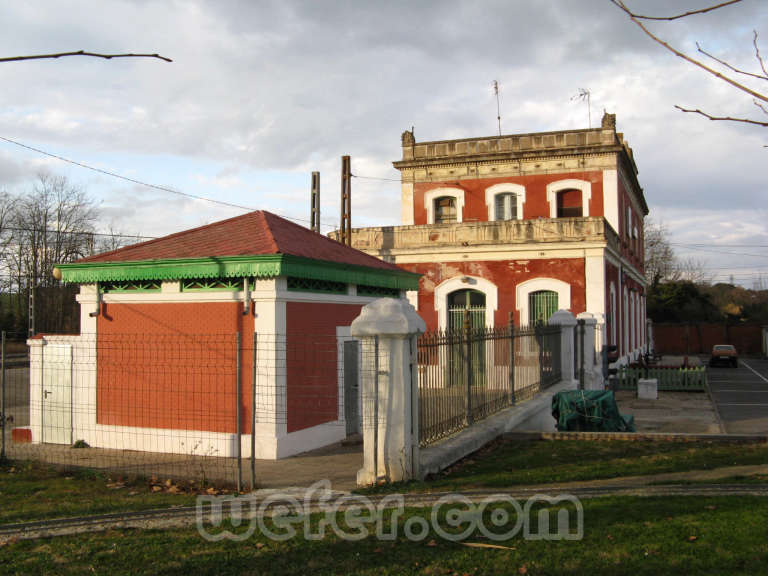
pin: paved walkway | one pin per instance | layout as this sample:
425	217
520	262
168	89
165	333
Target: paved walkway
672	412
337	463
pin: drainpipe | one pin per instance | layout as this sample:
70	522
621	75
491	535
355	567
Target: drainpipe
246	297
98	303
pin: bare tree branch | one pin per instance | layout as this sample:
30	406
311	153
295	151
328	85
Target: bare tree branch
83	53
724	118
691	13
757	53
763	108
687	58
730	67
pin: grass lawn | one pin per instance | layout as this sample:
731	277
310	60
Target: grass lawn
35	491
680	535
518	462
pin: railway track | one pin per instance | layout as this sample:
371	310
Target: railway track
188	515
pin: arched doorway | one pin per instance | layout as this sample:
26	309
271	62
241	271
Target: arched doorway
461	303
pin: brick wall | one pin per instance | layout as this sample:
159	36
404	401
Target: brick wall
312	361
172	365
699	338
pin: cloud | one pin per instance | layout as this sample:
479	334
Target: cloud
287	87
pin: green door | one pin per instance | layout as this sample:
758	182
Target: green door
459	303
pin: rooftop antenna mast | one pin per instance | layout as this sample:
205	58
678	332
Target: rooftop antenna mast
498	109
315	212
585	94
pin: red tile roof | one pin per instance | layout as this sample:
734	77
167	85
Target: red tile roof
252	234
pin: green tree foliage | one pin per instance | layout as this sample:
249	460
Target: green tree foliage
680	301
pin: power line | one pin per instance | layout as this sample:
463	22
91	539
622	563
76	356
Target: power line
147	184
121	177
377	178
722	245
80	232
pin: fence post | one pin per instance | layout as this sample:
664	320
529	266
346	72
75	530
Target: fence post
512	399
589	372
2	387
253	414
393	323
238	393
467	332
567	322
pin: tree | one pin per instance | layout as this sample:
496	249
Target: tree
718	67
53	223
661	262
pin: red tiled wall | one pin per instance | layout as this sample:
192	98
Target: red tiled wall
173	365
312	361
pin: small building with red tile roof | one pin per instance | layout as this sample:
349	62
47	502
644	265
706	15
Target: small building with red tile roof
236	329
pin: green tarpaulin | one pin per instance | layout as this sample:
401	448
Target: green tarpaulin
589	411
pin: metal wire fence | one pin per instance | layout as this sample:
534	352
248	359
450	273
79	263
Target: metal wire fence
208	408
466	375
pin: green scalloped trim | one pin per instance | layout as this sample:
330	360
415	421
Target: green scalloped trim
265	266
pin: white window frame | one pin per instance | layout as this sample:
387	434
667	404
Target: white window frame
571	184
487	287
522	290
431	195
505	188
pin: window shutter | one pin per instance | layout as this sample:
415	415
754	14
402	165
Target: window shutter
499	206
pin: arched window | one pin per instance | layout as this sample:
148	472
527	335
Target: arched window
505	206
541	305
569	204
505	201
569	198
445	209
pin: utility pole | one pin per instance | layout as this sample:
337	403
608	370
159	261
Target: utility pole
315	217
346	201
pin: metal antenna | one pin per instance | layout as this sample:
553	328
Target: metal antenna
498	109
585	94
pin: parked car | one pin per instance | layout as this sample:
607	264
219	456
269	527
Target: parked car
724	354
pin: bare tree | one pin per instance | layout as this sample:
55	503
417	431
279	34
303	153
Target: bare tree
51	224
661	262
110	240
717	67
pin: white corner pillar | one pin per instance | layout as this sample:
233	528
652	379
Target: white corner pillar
90	307
388	329
592	371
567	323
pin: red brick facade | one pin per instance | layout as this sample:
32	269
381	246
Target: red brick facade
172	365
312	361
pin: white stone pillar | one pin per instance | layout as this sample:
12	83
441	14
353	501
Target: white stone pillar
591	370
390	390
566	321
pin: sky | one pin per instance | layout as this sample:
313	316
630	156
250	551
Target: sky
260	94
